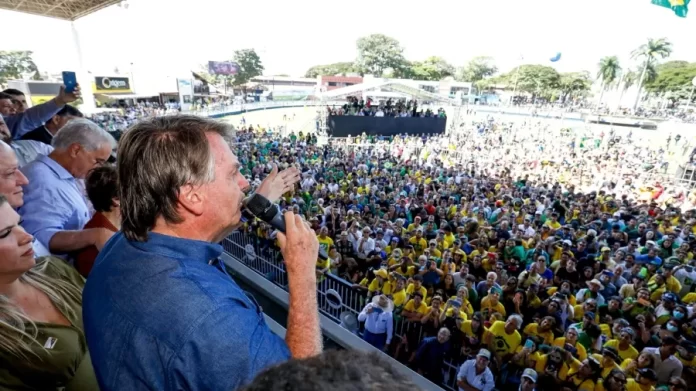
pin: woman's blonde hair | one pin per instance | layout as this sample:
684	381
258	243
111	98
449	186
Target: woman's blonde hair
17	331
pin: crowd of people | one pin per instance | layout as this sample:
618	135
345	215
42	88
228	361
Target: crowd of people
401	108
522	253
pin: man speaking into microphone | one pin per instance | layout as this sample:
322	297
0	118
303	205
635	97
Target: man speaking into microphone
160	311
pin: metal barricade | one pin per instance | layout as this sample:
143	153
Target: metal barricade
334	294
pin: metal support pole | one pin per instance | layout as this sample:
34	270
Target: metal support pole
83	76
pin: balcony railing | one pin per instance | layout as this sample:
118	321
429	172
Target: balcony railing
334	294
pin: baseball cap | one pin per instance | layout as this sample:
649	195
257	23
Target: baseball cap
669	296
484	353
530	374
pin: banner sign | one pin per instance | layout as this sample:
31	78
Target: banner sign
111	84
226	68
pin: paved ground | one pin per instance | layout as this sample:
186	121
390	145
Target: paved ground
296	118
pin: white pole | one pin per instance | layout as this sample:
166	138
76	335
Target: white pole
691	95
640	84
517	78
83	77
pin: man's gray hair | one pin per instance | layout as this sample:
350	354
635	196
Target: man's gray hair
518	320
83	132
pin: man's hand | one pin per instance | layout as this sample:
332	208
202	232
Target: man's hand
64	98
278	183
299	246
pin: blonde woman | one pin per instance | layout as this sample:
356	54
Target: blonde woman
42	342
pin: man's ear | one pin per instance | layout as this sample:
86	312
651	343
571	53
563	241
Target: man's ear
74	149
191	198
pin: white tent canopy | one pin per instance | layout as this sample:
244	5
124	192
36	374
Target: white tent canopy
385	85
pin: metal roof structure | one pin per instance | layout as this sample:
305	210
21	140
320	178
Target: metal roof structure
60	9
385	85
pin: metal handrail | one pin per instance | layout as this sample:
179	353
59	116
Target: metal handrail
334	294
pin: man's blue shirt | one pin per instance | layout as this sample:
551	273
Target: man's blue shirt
163	315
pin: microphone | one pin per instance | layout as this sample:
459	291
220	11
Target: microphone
268	212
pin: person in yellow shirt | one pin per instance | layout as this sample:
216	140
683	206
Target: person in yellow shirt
398	294
449	237
405	268
503	338
418	242
415	308
324	240
645	381
416	286
585	378
375	286
623	344
463	297
616	381
607	360
491	303
415	225
434	252
631	366
563	361
395	257
671	283
571	339
544	330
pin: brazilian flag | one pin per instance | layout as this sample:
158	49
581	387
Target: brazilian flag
680	7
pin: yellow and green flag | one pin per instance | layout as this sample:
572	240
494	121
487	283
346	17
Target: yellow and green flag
680	7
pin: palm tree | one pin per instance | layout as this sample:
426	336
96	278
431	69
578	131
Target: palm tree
609	69
649	52
628	79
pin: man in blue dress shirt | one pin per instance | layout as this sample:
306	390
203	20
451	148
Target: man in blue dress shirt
160	310
21	123
55	209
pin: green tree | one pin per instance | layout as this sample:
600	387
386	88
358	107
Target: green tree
338	68
609	70
573	85
477	69
14	63
649	53
672	79
538	80
249	66
433	68
377	53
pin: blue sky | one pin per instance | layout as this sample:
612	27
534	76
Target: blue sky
171	36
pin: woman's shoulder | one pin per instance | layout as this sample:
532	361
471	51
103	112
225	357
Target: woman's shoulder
57	268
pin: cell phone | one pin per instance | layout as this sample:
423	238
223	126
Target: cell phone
529	344
69	81
377	310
